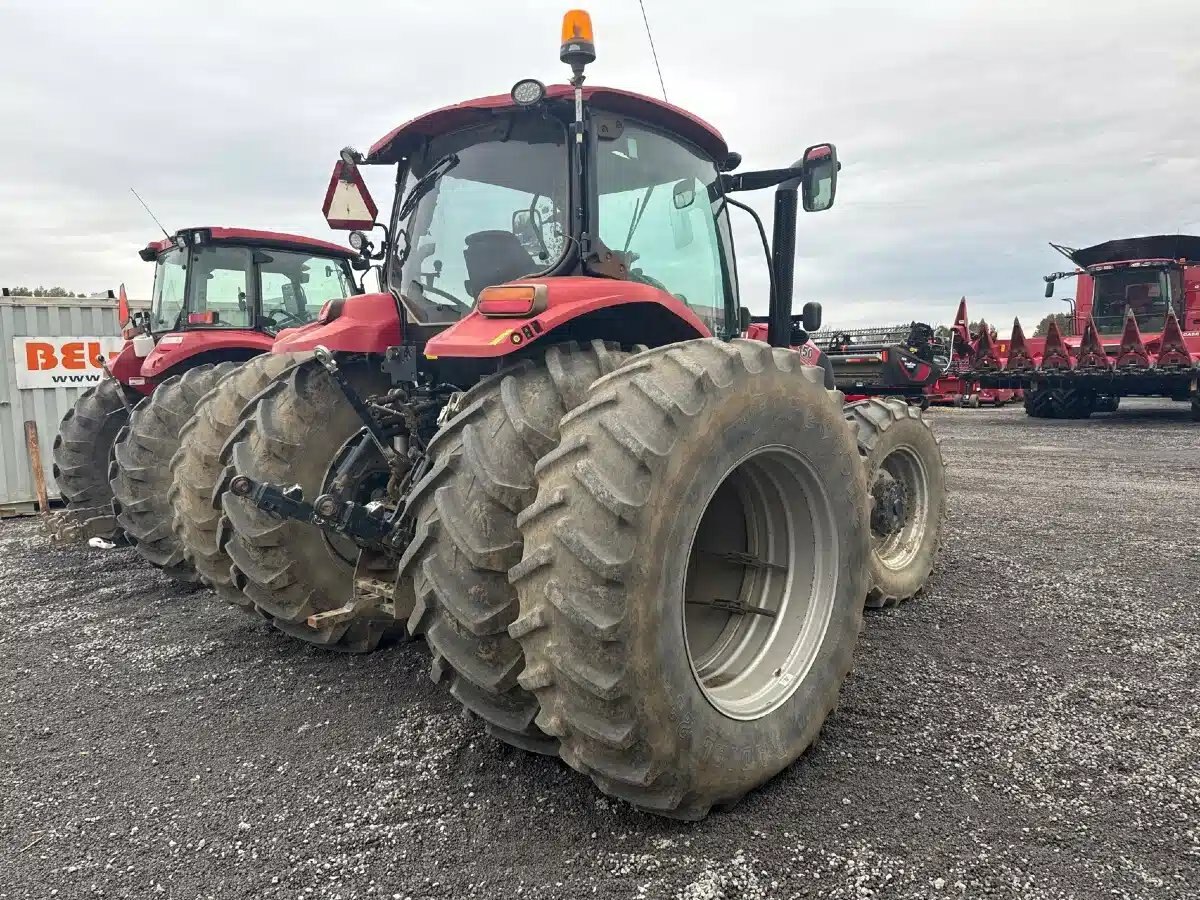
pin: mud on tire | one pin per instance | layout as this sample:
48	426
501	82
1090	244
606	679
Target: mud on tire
658	459
141	471
467	537
84	443
290	434
196	468
906	477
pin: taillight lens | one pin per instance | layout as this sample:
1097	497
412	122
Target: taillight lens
202	318
513	301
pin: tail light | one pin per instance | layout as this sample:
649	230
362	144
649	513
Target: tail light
202	318
512	301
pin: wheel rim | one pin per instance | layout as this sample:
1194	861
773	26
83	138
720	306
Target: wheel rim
771	511
367	481
899	513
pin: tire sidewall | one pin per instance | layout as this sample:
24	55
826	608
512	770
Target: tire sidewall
725	756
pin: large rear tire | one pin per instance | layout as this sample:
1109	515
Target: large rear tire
141	470
84	443
291	433
196	468
655	688
467	537
906	476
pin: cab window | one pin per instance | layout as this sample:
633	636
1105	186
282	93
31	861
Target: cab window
217	290
655	211
294	286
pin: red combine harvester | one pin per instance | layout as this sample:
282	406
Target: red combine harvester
1135	332
220	295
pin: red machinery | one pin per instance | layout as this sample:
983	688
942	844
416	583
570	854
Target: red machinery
1135	332
220	295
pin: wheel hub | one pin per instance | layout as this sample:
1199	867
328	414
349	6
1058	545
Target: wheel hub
890	509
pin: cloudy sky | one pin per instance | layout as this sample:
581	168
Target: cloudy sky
971	131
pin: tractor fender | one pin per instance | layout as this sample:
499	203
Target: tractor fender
202	346
367	323
126	367
576	308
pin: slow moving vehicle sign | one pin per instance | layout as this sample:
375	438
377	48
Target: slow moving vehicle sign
49	362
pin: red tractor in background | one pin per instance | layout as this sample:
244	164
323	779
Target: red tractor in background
1135	331
220	295
630	536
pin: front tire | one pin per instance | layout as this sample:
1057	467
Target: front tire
735	451
906	476
1043	404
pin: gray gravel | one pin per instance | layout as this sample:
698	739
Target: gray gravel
1029	728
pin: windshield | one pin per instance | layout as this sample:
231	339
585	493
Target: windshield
493	210
294	286
1149	292
170	275
655	210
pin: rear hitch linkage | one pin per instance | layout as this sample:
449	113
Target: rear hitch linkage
364	524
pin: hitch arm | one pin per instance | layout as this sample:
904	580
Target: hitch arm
376	432
327	512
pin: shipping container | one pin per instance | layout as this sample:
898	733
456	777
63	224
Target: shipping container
47	349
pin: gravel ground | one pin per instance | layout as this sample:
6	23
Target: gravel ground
1028	728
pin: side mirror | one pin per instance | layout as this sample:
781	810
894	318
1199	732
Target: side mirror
744	319
819	181
1049	289
348	204
811	316
527	225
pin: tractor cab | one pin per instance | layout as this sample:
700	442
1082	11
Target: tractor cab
561	212
224	294
230	278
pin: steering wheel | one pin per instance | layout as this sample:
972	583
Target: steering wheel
438	292
290	318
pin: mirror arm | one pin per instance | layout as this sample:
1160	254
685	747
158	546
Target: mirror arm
756	181
783	256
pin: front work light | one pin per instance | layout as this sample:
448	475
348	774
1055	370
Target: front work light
528	92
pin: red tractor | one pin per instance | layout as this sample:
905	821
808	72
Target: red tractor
630	536
1135	331
220	296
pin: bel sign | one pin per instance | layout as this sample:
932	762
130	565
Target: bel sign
50	362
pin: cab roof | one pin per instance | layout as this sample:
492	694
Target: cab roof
404	139
276	239
1152	246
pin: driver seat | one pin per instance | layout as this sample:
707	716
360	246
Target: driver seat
494	257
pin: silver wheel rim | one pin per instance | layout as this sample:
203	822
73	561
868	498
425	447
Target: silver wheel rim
896	547
766	541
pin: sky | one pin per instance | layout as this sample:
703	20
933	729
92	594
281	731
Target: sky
971	132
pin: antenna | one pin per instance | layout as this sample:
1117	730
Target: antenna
152	215
653	52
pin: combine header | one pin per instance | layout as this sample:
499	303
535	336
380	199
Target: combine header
1135	331
892	360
